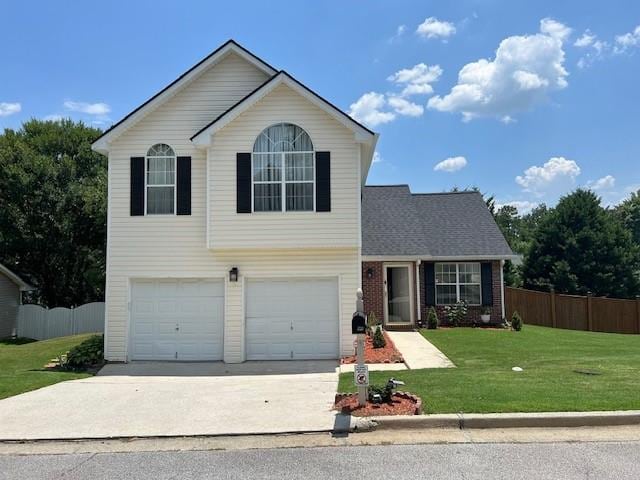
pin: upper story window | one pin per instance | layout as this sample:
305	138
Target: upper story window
161	180
458	282
283	168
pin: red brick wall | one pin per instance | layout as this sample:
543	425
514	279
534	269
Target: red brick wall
372	289
473	314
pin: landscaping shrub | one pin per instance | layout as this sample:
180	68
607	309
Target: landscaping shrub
378	339
432	319
89	353
384	392
456	313
516	321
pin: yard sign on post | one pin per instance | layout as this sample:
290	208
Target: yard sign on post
361	371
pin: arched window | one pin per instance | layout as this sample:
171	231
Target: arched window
161	180
283	168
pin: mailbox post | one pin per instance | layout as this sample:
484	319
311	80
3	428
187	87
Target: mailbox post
359	328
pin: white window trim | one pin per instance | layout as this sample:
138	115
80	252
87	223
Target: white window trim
283	182
458	283
174	184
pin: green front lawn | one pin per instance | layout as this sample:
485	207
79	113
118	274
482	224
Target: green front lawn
484	382
21	364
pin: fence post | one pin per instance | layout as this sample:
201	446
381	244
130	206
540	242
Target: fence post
552	294
638	311
589	312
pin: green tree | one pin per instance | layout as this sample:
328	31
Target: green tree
580	247
53	210
629	213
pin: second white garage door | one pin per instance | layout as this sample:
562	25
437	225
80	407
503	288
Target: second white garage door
292	319
177	319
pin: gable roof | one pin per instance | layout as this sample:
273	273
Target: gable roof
363	134
396	222
101	143
24	286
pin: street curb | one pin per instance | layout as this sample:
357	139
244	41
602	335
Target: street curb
500	420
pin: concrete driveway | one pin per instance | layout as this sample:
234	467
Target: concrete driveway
175	399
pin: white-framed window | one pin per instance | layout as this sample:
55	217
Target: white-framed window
160	178
283	170
458	282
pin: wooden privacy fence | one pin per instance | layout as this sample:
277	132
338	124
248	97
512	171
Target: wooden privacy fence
41	323
593	314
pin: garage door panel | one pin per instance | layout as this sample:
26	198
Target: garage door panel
177	316
295	318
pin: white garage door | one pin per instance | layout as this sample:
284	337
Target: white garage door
292	319
177	319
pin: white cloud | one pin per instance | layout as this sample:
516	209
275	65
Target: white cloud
88	108
523	206
605	183
554	29
585	40
627	41
525	70
404	107
555	176
451	164
53	117
377	158
417	79
7	108
368	109
434	28
400	31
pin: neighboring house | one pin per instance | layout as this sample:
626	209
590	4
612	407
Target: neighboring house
11	288
233	218
435	249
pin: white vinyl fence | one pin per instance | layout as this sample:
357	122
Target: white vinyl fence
41	323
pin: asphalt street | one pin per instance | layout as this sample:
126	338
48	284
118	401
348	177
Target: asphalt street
593	460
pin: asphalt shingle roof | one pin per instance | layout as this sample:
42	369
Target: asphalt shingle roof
397	222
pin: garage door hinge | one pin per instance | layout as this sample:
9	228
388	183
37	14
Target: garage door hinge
291	353
176	355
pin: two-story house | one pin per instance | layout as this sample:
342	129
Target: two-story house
233	218
235	225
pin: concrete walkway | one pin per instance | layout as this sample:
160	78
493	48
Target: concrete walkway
176	399
418	352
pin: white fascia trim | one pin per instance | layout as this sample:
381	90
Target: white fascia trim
102	144
24	286
361	135
429	258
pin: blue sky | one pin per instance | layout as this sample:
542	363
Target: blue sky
526	100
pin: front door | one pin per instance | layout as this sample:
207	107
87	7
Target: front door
398	289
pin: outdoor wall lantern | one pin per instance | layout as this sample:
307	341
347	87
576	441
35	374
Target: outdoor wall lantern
233	274
369	272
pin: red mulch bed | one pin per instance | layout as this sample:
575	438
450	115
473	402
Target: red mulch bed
401	404
388	354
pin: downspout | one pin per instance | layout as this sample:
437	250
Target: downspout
419	313
502	288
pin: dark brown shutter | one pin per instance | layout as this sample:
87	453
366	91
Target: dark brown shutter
429	270
323	181
487	284
243	182
136	195
183	183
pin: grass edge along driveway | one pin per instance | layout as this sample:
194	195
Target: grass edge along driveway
21	365
564	370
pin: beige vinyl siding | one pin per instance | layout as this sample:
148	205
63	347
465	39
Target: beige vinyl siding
9	301
338	228
172	246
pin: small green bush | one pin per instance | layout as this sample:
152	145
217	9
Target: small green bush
516	322
432	319
378	339
384	392
87	354
456	314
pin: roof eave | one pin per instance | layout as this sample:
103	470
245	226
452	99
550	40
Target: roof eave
24	286
101	144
